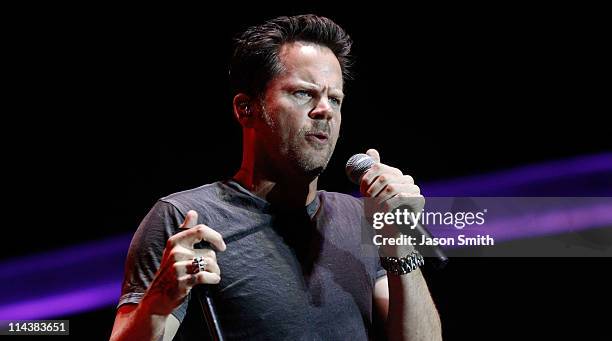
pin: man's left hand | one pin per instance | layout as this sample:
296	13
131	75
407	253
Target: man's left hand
390	187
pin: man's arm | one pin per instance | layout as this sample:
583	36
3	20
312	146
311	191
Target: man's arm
403	301
134	320
406	306
151	318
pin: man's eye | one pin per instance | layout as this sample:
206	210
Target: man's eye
335	101
302	94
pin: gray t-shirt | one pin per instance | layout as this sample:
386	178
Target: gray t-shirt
299	275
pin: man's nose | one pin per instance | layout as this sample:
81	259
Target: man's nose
323	110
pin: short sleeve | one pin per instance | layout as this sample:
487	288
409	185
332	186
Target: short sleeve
380	271
145	253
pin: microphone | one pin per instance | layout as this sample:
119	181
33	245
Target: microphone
356	166
207	307
209	314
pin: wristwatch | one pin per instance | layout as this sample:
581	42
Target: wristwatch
403	265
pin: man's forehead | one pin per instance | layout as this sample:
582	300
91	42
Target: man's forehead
311	63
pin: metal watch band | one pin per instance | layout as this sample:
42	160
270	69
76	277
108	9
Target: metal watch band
403	265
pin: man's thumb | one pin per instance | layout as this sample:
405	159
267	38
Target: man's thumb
373	153
191	219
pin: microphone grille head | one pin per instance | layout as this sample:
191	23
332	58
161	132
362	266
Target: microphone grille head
357	165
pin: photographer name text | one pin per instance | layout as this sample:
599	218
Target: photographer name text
460	240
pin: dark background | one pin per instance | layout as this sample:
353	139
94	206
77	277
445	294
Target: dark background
113	108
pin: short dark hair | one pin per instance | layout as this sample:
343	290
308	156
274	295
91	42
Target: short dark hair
256	61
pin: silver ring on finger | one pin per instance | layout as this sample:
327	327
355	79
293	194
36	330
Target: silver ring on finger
199	264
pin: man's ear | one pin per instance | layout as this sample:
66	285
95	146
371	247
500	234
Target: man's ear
243	109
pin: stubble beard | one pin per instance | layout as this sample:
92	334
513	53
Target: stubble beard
306	159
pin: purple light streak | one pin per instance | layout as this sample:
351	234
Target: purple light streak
97	295
538	224
526	177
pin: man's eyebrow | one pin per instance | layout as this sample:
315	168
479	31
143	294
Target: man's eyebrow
306	84
339	92
317	87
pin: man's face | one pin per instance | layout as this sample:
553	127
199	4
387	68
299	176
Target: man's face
301	109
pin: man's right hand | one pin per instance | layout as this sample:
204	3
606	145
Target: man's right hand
177	275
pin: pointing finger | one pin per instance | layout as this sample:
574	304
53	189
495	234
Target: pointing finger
198	233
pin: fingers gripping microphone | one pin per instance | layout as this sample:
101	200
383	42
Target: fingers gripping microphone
356	166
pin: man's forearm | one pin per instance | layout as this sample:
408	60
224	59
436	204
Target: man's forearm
412	313
139	324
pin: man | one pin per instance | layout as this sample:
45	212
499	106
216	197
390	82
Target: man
289	262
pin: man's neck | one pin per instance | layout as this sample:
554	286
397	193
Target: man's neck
289	193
